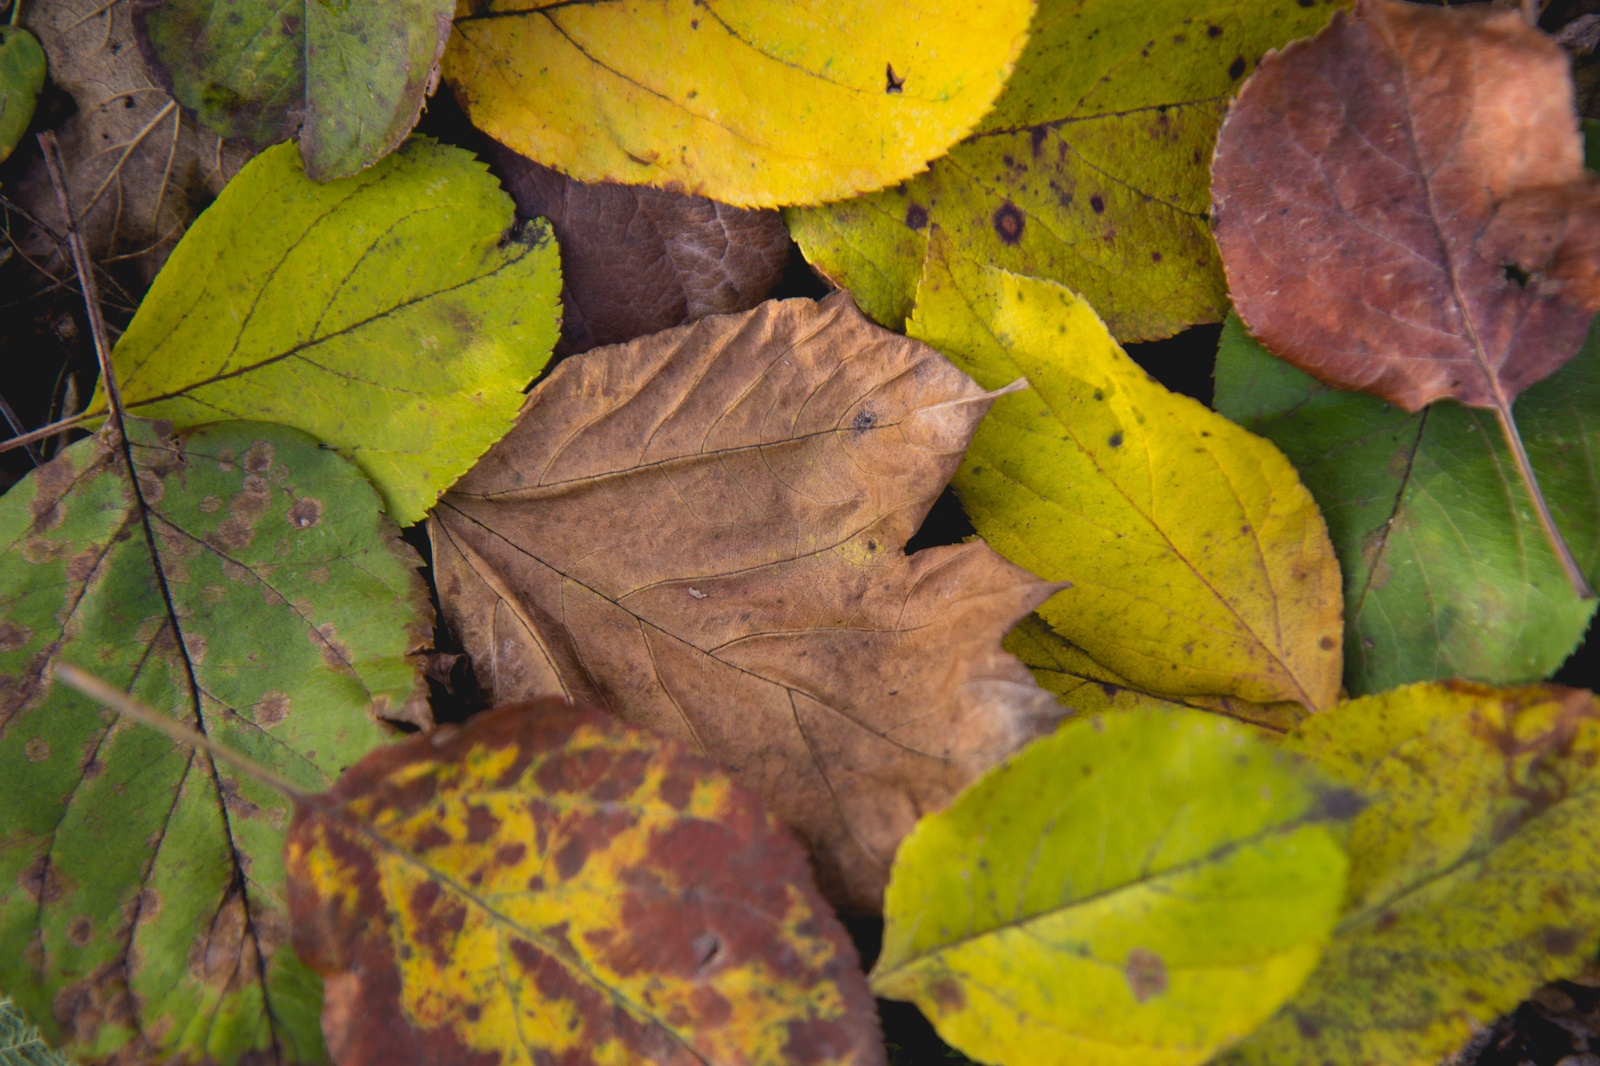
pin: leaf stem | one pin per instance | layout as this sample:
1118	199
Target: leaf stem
122	703
1508	428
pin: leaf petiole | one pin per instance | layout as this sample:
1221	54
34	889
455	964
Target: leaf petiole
1530	481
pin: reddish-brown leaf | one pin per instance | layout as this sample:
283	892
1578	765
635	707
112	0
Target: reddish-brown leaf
548	885
702	531
1402	206
637	260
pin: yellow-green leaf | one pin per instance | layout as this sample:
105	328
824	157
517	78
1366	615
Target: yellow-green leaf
385	314
1472	877
1142	888
21	77
753	102
1093	169
1199	563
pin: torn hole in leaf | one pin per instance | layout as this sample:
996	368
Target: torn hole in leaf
1516	274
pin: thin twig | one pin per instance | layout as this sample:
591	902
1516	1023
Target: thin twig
42	432
16	427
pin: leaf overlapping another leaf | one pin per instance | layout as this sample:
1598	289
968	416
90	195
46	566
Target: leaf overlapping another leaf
547	885
1092	169
701	531
21	77
249	584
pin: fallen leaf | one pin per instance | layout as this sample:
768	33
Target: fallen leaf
535	888
1472	873
1446	572
1085	688
387	314
137	170
754	104
21	78
1146	887
637	260
254	70
1199	564
257	593
20	1042
1091	170
702	532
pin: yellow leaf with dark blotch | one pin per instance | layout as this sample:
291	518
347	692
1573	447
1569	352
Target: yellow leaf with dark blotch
702	531
1200	565
549	885
751	102
1473	872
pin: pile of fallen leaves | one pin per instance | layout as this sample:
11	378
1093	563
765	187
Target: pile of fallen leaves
1223	738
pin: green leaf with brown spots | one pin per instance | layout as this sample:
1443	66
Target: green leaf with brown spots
1142	887
550	885
247	583
1093	169
1472	877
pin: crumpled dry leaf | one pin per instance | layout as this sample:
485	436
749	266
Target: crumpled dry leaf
638	260
137	170
702	532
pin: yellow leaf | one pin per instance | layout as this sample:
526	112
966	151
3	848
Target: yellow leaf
753	102
1199	563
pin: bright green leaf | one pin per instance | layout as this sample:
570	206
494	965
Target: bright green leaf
1141	888
752	102
349	76
141	890
20	1042
1093	169
1447	572
22	68
1472	876
1198	562
385	314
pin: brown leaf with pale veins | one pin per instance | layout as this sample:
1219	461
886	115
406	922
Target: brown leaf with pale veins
703	531
637	260
1402	206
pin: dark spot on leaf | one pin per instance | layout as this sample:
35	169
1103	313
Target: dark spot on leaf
84	1007
258	460
270	710
36	750
706	948
510	854
894	84
1327	644
1236	68
1516	275
14	636
1155	257
481	823
473	1012
948	995
916	216
1560	941
1213	31
1146	973
80	930
1008	223
571	857
41	882
1307	1027
1036	136
306	512
1098	204
676	790
1115	440
1339	803
863	420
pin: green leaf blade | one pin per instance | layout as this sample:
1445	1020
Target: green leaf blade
22	68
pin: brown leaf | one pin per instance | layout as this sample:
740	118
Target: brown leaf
137	169
703	531
637	260
1402	207
546	884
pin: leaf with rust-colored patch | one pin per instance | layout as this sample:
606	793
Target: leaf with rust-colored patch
638	260
1144	887
1472	873
702	531
1402	207
248	584
547	884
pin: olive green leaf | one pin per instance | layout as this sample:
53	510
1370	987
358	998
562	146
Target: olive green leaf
1093	169
1472	874
1198	563
386	314
1446	570
1143	887
21	77
246	583
20	1042
349	76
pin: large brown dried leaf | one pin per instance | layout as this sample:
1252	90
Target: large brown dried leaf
1378	189
638	260
703	531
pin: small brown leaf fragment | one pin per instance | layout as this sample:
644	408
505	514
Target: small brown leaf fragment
636	260
774	462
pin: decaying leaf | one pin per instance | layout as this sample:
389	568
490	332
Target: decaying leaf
702	531
1198	562
138	171
354	74
247	583
1446	572
1045	919
638	260
753	102
21	77
387	314
550	885
1091	170
1472	873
